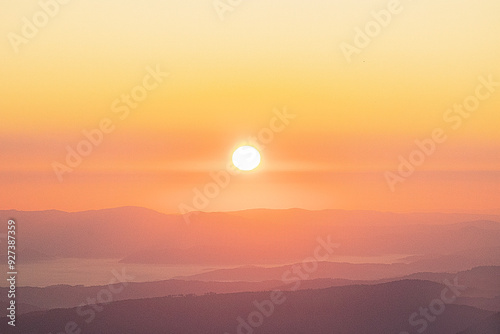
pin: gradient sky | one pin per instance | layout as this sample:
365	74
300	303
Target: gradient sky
226	77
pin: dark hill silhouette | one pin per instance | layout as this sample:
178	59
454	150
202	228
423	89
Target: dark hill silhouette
483	289
490	325
361	309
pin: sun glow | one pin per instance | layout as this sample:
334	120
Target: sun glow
246	158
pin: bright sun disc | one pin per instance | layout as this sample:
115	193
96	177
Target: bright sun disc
246	158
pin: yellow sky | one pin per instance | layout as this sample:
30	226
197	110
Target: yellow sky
354	119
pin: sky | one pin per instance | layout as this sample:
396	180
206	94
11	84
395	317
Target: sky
217	77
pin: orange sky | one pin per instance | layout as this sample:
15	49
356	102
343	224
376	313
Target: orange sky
226	81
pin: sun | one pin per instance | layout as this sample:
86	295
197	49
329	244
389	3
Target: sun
246	158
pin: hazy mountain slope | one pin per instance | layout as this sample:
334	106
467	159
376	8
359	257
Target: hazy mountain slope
65	296
142	235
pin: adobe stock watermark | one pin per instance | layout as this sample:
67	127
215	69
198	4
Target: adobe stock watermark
221	179
363	36
454	117
222	7
436	307
89	309
30	27
121	106
295	275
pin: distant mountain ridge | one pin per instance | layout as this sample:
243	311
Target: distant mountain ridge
246	237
